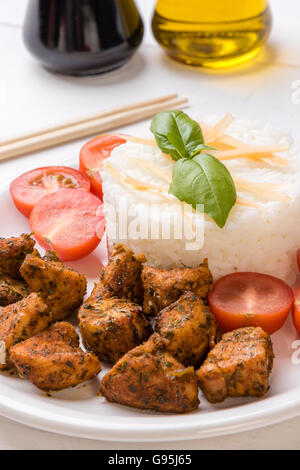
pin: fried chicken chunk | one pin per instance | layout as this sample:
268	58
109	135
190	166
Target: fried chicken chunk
22	320
121	277
11	290
111	327
12	253
189	326
239	365
52	360
163	287
148	377
61	287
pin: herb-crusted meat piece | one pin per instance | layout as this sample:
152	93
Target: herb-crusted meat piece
189	326
52	360
111	327
121	277
22	320
162	287
148	377
239	365
61	287
12	253
11	290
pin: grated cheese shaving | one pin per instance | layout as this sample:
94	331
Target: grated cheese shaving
150	167
219	129
178	206
141	184
243	202
266	190
139	140
226	142
255	152
114	172
229	148
136	184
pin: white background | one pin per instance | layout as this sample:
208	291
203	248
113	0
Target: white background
31	98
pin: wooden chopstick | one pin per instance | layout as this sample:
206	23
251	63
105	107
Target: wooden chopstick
87	127
110	112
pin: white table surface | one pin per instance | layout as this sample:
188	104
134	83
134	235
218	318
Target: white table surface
31	98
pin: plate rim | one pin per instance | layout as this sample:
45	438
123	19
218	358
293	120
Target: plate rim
126	432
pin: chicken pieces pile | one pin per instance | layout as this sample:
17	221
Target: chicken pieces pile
159	373
151	378
53	360
158	369
239	365
36	345
111	327
62	288
12	254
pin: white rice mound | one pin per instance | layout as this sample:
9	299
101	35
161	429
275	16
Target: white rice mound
256	240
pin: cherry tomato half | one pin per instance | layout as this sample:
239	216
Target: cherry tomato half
298	259
250	299
91	158
28	189
296	309
68	221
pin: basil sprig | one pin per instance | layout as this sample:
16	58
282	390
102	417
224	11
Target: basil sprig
177	135
198	178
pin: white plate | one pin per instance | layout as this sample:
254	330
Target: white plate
80	412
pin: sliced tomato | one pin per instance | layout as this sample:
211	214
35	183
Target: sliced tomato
28	189
298	259
69	222
296	309
91	158
250	299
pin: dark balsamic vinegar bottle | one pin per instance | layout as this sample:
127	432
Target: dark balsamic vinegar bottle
82	37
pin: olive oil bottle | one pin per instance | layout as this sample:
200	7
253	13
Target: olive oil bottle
212	33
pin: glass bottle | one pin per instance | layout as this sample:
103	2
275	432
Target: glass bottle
212	33
82	37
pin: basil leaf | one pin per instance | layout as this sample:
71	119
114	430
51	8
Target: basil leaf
177	134
204	180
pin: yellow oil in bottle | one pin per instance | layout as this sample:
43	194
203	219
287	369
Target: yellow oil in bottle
212	33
